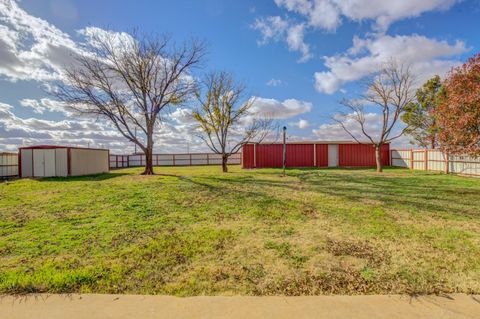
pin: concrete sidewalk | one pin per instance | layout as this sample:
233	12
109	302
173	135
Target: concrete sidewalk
95	306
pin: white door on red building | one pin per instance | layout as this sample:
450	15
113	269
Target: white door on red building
332	155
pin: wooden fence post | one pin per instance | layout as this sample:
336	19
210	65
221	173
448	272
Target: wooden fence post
208	159
425	158
173	159
446	162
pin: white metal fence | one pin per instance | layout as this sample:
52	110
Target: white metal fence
192	159
8	165
435	160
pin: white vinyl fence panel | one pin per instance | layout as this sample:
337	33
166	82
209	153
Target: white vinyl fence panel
435	160
8	165
465	165
400	158
119	161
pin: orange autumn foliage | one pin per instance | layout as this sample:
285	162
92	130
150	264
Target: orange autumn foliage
458	115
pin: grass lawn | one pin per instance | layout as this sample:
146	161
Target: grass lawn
197	231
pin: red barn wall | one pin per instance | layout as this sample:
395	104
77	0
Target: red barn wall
299	155
247	156
302	155
322	155
361	155
269	155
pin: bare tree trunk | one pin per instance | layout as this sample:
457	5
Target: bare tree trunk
378	158
224	163
148	162
149	155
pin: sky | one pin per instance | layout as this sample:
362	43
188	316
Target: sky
299	58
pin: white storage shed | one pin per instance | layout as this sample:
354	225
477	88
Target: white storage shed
49	161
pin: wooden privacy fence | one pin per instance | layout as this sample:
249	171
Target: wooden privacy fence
190	159
435	160
8	165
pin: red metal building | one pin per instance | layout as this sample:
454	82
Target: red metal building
313	154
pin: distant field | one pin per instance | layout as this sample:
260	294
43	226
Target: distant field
197	231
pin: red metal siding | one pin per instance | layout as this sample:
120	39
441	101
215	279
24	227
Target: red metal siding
322	155
247	156
302	155
361	155
385	155
299	155
269	155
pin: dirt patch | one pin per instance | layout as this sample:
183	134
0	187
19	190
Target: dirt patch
364	250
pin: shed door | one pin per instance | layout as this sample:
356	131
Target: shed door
61	162
49	156
44	163
38	163
26	162
332	155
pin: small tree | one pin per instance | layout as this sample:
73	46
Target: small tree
389	91
458	115
419	115
225	116
129	81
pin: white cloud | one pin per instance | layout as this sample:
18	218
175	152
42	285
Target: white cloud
335	132
373	122
280	109
31	48
368	55
327	14
33	104
295	42
274	82
321	14
16	131
275	28
94	36
271	28
46	104
301	124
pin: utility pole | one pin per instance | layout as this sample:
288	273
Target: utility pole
284	161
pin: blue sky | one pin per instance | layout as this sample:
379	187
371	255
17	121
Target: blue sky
299	57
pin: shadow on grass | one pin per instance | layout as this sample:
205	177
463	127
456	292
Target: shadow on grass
270	207
410	190
420	192
84	178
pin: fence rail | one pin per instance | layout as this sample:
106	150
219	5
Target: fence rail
435	160
8	165
189	159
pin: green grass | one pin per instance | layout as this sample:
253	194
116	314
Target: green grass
196	231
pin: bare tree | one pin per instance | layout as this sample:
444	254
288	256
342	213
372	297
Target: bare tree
225	116
130	80
390	91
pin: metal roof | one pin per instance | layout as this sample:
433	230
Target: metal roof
60	146
316	142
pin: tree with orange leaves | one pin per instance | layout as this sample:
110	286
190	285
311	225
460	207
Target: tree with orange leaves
458	115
